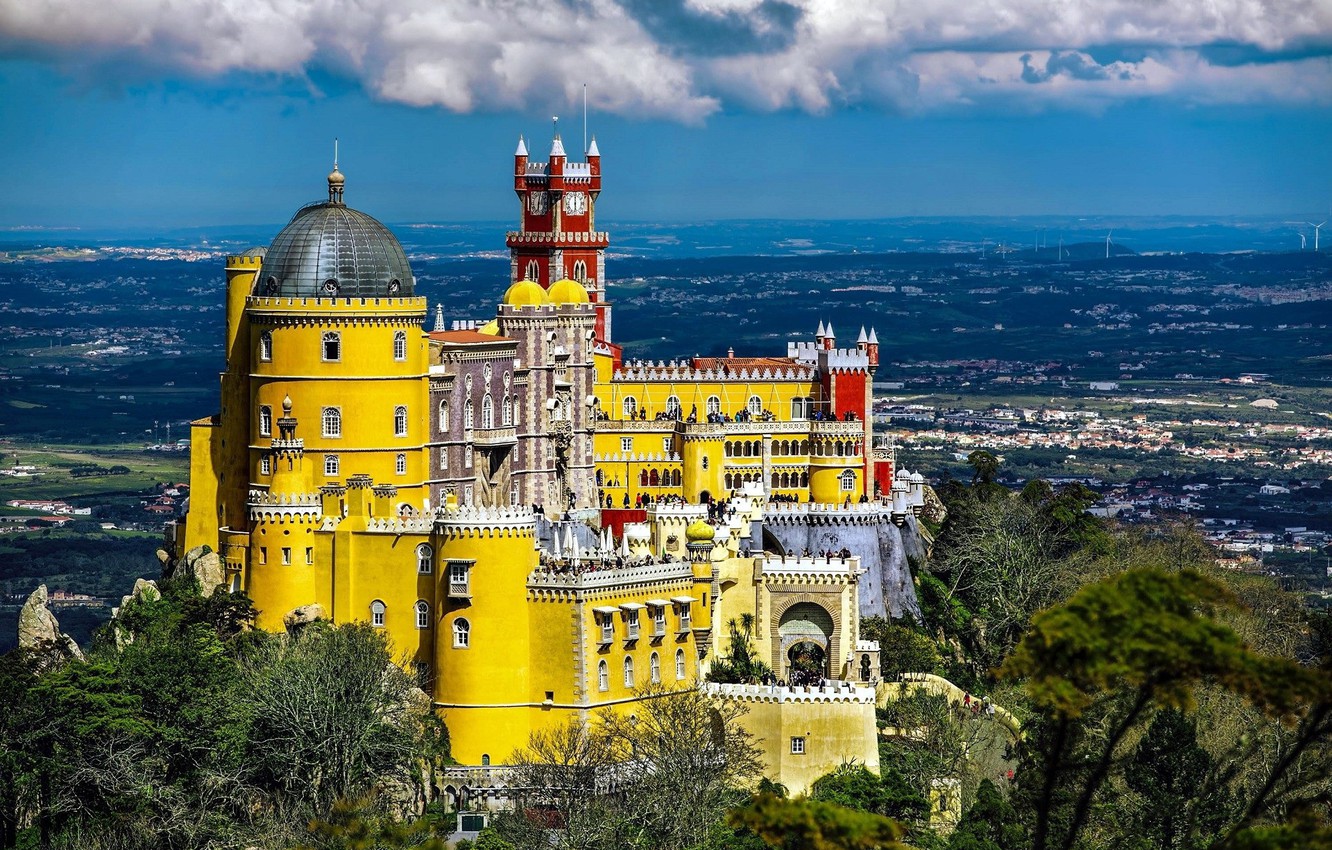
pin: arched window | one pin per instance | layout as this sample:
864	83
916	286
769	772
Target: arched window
424	556
332	347
533	270
400	421
675	478
331	464
462	633
804	447
630	407
840	449
755	405
580	271
603	676
513	494
444	416
400	346
485	759
601	478
804	479
422	614
727	448
654	668
654	479
748	449
628	671
378	611
332	420
848	481
679	665
266	346
400	464
265	420
673	407
726	480
487	411
469	415
776	480
714	405
797	408
506	411
643	478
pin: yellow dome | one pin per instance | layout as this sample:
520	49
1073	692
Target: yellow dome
699	531
568	292
525	293
490	328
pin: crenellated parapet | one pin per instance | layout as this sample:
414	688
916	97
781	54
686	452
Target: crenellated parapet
284	507
400	525
814	513
676	371
612	579
468	521
638	457
833	692
797	570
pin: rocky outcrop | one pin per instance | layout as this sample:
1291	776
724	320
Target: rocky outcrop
201	563
39	629
298	618
934	509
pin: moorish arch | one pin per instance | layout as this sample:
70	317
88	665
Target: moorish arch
806	617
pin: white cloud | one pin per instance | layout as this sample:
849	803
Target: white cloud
684	59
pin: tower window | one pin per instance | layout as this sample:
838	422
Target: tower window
580	271
331	465
755	405
469	415
654	668
848	481
400	346
603	676
400	465
462	633
332	422
487	412
443	417
422	614
630	407
378	611
626	444
506	411
266	346
265	420
400	421
533	270
332	347
673	407
424	554
265	465
714	405
798	746
679	665
628	671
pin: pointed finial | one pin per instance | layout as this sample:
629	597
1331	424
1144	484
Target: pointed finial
335	178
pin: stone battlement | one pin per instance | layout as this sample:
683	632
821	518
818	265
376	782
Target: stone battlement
835	691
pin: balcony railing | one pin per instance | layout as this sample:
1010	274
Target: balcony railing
492	437
460	589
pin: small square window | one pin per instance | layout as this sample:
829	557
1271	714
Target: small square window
798	746
286	556
666	445
265	465
309	554
263	554
626	444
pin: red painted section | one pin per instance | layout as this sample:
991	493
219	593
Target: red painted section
849	394
615	519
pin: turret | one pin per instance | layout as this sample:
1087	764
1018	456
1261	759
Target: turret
829	338
594	162
872	349
520	165
862	341
820	334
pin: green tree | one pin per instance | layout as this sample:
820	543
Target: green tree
855	787
990	824
814	825
1171	774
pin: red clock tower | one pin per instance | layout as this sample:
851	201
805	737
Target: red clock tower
558	237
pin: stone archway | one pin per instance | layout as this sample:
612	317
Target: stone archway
805	631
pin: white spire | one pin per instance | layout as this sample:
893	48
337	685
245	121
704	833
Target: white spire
557	147
873	337
592	148
439	319
829	332
522	147
820	331
862	337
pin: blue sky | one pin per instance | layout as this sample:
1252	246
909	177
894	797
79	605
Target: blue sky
149	113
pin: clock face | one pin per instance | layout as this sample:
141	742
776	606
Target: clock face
536	203
575	203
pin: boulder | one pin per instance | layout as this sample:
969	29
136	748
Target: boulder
298	618
38	627
145	590
210	573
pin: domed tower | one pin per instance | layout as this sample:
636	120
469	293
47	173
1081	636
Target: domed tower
326	322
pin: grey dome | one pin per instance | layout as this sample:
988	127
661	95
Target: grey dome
331	251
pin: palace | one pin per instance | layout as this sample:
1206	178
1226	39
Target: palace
540	525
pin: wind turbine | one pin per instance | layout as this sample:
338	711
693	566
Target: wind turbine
1061	249
1107	244
1303	242
1316	228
